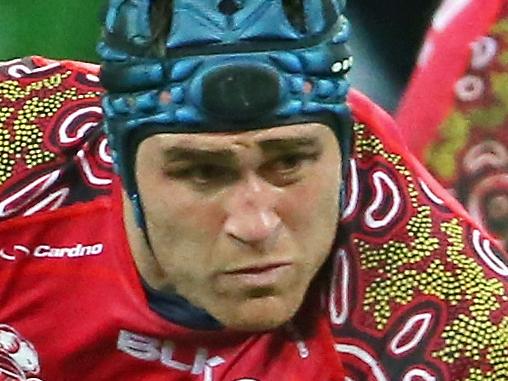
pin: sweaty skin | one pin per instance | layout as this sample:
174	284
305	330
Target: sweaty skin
239	222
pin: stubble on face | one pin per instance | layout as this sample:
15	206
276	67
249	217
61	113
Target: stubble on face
239	223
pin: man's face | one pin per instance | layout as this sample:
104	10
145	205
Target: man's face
240	223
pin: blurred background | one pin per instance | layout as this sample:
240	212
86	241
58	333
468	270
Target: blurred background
386	37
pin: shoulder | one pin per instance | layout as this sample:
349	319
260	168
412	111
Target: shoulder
416	279
52	149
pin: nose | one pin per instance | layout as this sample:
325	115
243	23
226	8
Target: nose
252	218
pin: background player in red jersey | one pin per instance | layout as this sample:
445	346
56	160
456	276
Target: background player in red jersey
454	113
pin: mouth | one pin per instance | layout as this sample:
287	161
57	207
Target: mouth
257	269
256	276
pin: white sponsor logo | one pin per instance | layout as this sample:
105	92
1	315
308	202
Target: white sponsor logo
12	254
151	349
18	358
47	251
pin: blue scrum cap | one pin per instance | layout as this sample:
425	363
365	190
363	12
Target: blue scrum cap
221	65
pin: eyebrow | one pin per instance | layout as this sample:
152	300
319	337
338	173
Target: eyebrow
286	144
196	154
269	146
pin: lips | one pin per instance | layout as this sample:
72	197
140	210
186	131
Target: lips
257	269
257	276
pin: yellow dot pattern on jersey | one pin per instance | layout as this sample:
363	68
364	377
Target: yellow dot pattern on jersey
370	144
457	279
394	284
473	334
13	90
39	100
6	161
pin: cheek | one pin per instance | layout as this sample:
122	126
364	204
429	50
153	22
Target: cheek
177	211
183	229
311	215
313	204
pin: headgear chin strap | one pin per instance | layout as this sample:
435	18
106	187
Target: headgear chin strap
224	65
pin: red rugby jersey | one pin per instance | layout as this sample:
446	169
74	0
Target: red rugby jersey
415	291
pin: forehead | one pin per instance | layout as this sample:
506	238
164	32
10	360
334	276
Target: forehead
302	133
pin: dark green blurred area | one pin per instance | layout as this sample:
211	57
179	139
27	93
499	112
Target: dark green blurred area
51	28
386	37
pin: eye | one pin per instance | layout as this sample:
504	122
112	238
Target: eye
288	168
204	174
289	163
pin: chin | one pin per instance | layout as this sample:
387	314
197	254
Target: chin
260	314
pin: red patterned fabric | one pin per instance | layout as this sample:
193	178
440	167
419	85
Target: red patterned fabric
413	291
49	156
454	114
